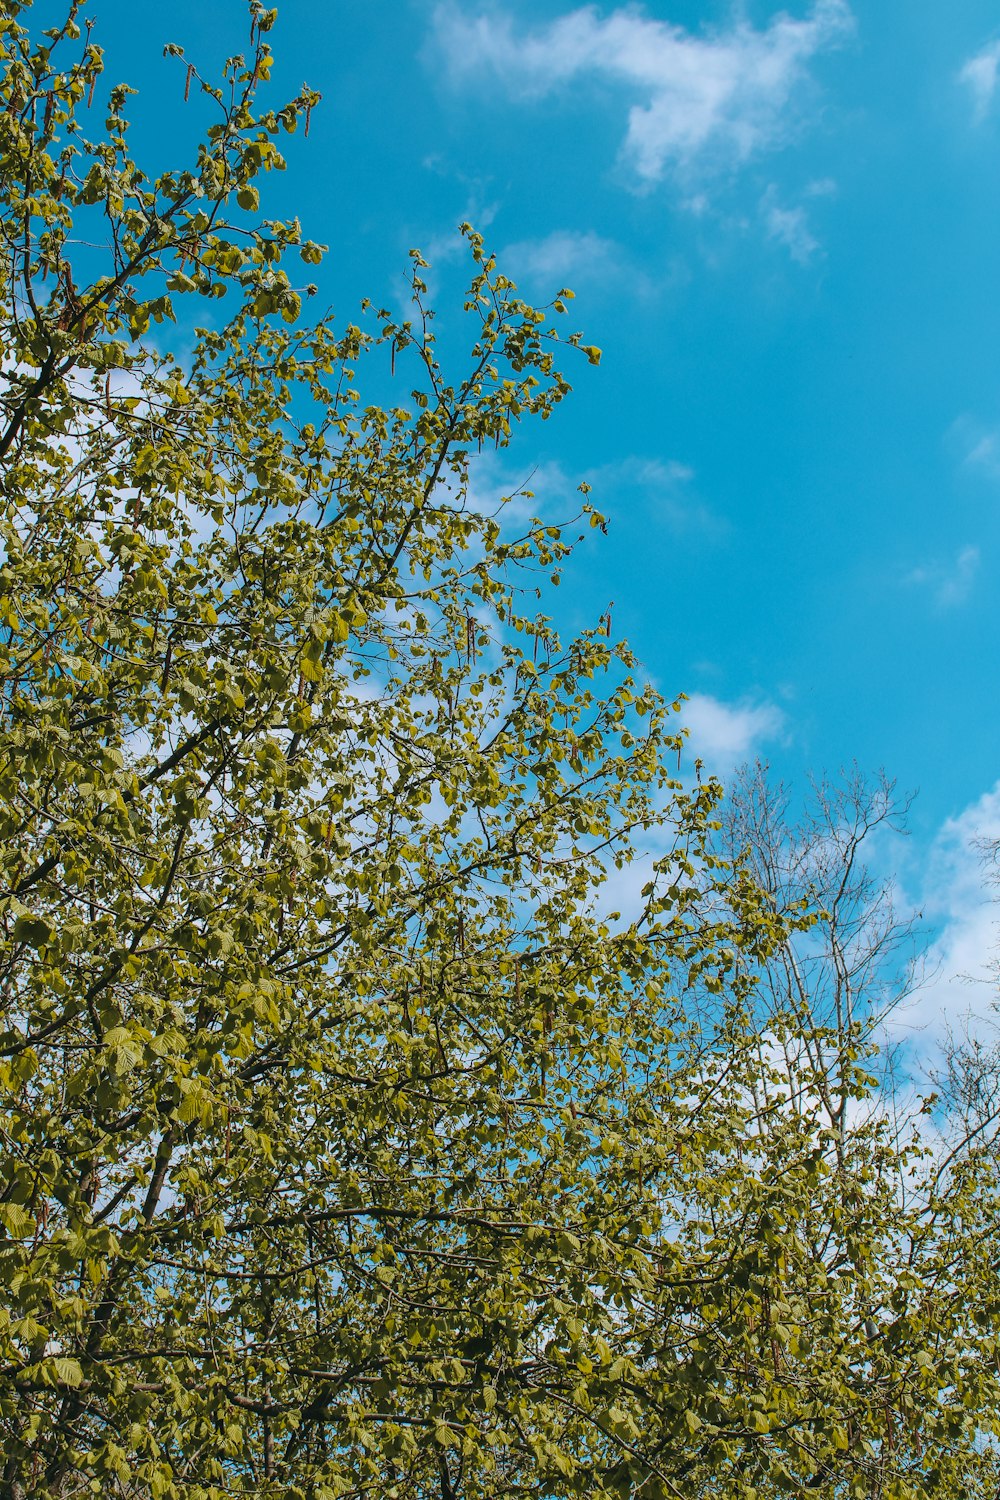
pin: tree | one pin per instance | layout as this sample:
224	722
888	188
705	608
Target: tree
846	972
345	1148
824	996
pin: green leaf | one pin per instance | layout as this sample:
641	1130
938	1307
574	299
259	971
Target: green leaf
67	1371
16	1220
34	932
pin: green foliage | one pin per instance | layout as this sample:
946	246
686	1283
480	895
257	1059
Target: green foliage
344	1147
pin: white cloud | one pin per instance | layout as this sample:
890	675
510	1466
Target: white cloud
515	497
655	473
979	75
821	187
985	454
789	226
724	734
982	446
713	98
975	444
950	583
956	900
565	256
666	487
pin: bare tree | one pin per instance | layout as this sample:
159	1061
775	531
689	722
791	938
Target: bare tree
967	1075
857	960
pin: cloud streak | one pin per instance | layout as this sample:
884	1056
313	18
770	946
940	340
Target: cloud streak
950	583
958	902
789	227
666	488
980	75
715	98
565	256
724	735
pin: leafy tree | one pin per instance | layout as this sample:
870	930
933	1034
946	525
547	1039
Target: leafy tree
345	1147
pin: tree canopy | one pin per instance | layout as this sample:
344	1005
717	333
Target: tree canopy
349	1143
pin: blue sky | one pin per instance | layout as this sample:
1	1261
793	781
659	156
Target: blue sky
783	229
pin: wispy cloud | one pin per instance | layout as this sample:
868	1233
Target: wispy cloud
725	734
980	75
566	257
714	98
955	899
985	453
950	583
517	496
666	487
788	227
821	187
975	444
981	445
